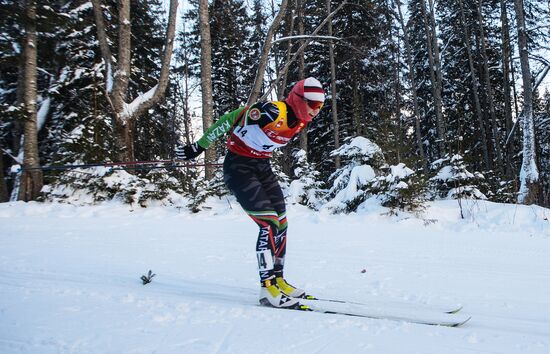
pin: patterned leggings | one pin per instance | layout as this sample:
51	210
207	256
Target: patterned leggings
256	188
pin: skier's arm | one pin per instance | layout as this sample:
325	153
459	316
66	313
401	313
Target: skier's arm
221	127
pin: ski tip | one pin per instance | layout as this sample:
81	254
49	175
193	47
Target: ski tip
458	324
309	297
265	303
458	309
303	308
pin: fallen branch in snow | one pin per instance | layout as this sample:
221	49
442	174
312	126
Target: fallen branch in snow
146	279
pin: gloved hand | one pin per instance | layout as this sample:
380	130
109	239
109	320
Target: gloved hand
188	152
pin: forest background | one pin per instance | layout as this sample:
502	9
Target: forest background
426	99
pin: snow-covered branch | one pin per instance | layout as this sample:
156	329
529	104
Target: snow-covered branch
319	38
138	103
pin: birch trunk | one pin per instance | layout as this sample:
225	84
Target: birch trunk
31	182
206	81
122	73
529	176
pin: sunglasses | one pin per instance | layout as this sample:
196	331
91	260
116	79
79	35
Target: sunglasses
313	104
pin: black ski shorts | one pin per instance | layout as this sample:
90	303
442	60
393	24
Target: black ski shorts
253	183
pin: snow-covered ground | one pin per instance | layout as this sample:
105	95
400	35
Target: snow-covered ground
70	280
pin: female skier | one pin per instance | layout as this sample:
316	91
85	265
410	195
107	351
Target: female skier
257	131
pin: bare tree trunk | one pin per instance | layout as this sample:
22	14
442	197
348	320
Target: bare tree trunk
17	131
431	41
255	93
529	175
489	86
18	124
438	73
31	181
506	53
282	86
206	81
356	102
122	73
185	94
126	114
4	196
301	65
398	95
334	94
475	87
412	81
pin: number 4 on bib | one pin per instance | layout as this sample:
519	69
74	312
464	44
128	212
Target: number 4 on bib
265	260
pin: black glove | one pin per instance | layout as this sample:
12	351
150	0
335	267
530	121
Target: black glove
188	152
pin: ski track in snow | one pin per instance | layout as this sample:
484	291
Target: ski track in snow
70	280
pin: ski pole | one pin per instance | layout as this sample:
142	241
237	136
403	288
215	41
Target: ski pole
125	165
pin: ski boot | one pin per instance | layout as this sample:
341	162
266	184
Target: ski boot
291	290
271	295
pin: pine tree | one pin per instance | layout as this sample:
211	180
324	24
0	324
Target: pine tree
362	161
399	188
306	189
453	180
